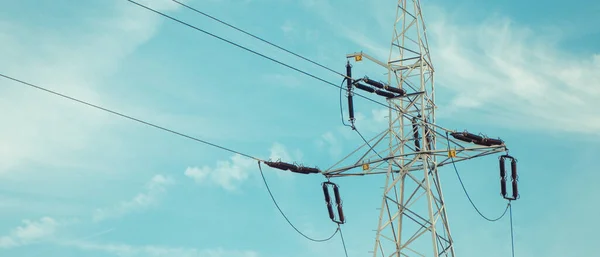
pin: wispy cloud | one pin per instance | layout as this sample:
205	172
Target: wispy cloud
159	251
74	62
30	232
155	189
498	70
232	173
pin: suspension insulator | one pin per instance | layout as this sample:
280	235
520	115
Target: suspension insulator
515	190
398	91
326	193
328	201
502	168
473	137
513	167
336	192
373	83
460	136
349	87
364	87
385	94
503	187
514	176
416	134
340	217
307	170
494	141
489	142
282	165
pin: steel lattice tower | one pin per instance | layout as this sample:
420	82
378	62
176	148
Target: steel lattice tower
412	219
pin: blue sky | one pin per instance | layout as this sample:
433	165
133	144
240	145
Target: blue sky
78	182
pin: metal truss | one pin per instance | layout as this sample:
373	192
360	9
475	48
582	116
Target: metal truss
413	219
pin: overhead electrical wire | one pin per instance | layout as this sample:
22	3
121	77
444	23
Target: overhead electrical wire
467	193
285	216
129	117
257	37
273	59
173	132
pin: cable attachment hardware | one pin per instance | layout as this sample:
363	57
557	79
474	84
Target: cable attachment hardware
338	202
513	175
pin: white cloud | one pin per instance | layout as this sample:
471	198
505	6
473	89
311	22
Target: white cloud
227	174
155	189
73	59
506	73
159	251
232	173
30	232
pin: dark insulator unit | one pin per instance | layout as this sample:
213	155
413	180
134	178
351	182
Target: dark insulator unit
349	86
460	136
503	187
514	177
282	165
398	91
307	170
385	94
341	219
494	141
328	202
373	83
473	137
364	87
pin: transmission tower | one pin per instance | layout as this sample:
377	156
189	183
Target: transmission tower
413	219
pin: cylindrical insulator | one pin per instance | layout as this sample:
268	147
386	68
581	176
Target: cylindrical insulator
515	189
288	166
326	194
330	210
385	94
336	192
373	83
461	137
503	186
513	167
493	141
364	87
349	86
399	91
341	214
502	168
472	136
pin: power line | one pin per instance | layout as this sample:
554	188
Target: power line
286	218
129	117
259	38
275	60
512	238
467	193
344	241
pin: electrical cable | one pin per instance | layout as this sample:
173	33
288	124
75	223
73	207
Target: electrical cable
341	108
344	241
285	217
467	194
512	238
274	60
129	117
259	38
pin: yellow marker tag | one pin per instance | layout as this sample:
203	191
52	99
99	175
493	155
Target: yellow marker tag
365	166
358	58
452	153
